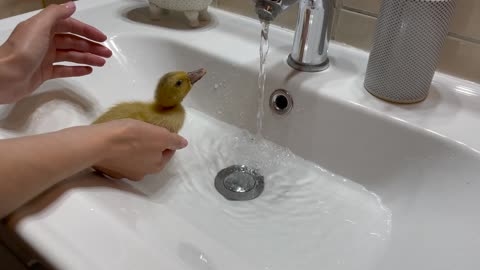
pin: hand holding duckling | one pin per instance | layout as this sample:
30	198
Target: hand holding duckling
166	110
137	149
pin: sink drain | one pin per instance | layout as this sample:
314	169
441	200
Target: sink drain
281	102
239	183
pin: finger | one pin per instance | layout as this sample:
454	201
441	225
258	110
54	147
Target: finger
117	176
136	178
37	29
77	27
79	58
173	141
60	71
54	13
76	43
166	157
108	173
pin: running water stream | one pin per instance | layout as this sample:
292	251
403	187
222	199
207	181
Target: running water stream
262	75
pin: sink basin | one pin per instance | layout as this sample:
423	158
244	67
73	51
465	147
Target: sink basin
351	182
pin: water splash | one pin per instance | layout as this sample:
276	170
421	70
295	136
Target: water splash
262	75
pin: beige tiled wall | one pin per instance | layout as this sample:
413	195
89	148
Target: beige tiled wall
461	53
355	24
13	7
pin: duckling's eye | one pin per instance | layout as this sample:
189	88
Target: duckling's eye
178	83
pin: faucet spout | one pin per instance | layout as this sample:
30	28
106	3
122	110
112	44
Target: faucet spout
312	33
268	10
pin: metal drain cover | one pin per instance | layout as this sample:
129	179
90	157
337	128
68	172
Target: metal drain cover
239	183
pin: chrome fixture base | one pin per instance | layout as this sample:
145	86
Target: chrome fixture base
307	68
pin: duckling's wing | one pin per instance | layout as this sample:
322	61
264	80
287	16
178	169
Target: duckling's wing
171	119
132	110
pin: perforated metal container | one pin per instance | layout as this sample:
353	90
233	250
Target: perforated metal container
406	48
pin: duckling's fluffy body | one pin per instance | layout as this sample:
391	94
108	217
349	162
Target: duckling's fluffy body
171	118
166	111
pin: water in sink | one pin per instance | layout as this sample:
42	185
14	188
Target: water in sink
307	217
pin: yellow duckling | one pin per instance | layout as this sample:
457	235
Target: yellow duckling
166	111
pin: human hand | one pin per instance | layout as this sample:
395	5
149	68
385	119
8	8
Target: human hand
37	44
138	149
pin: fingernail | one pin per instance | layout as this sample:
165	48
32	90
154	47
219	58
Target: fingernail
184	143
107	52
69	4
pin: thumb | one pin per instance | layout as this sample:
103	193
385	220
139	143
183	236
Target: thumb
54	13
174	142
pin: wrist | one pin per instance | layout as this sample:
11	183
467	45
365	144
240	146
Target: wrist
11	75
96	142
115	139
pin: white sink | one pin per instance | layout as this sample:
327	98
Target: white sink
384	187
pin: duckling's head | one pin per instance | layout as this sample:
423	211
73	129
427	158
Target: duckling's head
174	86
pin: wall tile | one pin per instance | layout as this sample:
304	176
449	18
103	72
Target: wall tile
10	8
246	8
370	6
458	57
466	21
461	58
355	29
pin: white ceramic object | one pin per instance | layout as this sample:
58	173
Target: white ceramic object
421	160
194	10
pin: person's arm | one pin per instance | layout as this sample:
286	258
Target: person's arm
131	149
32	53
29	165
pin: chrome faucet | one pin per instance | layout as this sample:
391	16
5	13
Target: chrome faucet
312	34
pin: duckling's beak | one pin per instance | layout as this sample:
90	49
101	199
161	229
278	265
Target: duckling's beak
196	75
